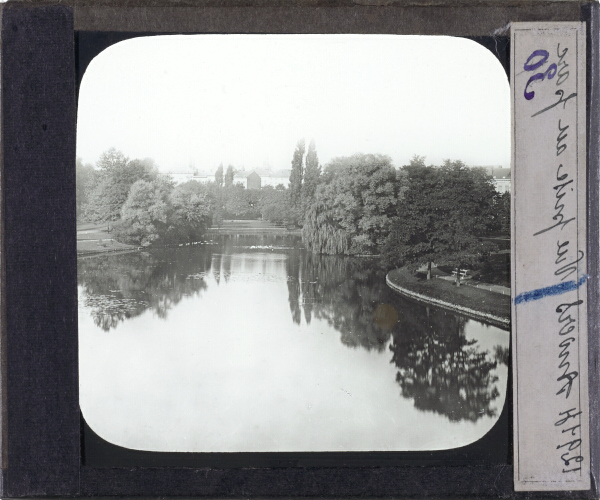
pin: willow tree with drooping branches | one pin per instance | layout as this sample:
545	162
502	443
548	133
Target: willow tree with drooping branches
353	205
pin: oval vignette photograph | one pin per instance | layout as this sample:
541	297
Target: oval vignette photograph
293	243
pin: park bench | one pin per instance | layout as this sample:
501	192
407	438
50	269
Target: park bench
464	274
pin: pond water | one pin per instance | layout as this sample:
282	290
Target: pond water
250	343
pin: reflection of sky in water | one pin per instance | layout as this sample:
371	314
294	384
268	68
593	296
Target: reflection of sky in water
228	370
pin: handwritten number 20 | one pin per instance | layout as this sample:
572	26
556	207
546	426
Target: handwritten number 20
535	64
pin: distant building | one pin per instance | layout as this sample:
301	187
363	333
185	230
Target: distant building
178	177
248	179
501	177
251	179
241	177
276	178
204	177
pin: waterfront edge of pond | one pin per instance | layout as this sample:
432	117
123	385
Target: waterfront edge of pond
409	286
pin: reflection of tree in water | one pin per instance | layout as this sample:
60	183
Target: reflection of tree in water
439	368
502	355
343	291
216	267
118	287
293	284
109	310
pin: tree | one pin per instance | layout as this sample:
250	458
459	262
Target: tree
296	176
159	212
241	203
216	197
190	212
353	206
219	176
503	207
145	214
149	164
273	205
311	176
85	177
229	176
443	214
116	174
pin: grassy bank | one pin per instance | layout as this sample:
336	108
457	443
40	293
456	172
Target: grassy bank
466	299
251	227
87	247
94	238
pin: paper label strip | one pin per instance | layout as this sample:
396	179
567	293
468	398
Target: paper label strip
549	320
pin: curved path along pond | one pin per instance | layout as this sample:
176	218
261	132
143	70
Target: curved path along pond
250	343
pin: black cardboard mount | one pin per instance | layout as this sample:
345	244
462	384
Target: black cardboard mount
42	426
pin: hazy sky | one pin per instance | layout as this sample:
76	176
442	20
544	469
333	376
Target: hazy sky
247	99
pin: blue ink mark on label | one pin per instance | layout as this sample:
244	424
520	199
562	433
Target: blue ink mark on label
540	293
